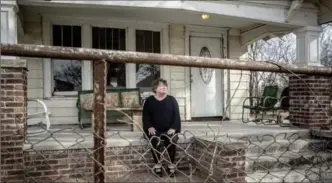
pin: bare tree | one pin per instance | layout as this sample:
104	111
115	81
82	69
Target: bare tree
326	45
70	72
280	50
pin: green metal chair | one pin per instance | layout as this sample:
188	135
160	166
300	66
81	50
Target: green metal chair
261	105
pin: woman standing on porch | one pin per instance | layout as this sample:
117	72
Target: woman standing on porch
161	122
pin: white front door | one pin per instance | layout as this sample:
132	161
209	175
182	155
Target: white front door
206	84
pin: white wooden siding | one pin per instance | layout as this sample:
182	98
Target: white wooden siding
177	83
236	51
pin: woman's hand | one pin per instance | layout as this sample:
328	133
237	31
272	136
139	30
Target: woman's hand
171	131
152	131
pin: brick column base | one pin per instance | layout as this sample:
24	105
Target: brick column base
13	123
310	109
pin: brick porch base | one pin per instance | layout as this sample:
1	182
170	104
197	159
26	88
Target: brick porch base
121	162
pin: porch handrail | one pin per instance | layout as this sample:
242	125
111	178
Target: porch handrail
44	51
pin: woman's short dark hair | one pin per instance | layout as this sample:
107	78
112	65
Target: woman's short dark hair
156	82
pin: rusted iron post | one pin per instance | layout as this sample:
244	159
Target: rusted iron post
99	120
42	51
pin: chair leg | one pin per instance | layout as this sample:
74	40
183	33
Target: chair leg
262	119
272	121
256	120
243	116
243	120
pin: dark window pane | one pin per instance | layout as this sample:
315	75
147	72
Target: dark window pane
57	35
148	36
109	39
67	74
77	36
116	39
147	41
140	41
95	37
156	42
116	75
122	42
102	36
112	39
67	36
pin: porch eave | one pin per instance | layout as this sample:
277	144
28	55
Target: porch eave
248	11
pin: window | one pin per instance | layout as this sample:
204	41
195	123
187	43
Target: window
206	73
112	39
147	41
66	74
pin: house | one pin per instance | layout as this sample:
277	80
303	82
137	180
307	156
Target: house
198	28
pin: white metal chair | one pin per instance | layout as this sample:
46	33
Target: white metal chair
45	113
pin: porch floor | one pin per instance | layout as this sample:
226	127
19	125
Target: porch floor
118	135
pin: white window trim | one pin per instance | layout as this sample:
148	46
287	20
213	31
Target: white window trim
87	73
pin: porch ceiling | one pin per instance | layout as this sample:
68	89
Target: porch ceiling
325	13
141	14
260	12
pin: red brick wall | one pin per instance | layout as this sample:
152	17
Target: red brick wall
66	165
305	110
121	162
13	118
228	161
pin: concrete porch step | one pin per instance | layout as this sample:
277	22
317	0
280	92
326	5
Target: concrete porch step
261	136
285	161
281	146
322	175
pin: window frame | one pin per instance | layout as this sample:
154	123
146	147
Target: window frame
87	67
63	93
126	34
160	37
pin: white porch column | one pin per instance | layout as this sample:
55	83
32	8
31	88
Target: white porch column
8	24
308	46
131	68
87	67
9	10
